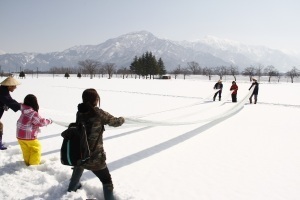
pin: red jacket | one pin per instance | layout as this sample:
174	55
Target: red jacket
234	88
29	122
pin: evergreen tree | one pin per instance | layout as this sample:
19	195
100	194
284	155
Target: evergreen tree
147	65
161	67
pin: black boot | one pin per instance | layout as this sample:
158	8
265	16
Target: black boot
74	183
108	191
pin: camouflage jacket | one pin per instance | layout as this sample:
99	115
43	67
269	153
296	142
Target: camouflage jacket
95	119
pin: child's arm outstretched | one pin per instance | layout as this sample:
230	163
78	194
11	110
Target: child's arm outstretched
37	120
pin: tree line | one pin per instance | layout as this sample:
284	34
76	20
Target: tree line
147	66
270	71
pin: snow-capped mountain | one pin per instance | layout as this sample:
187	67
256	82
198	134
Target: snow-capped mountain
210	52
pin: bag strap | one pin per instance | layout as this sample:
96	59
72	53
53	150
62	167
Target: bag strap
84	124
97	140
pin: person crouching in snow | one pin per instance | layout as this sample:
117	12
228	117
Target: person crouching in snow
28	128
234	89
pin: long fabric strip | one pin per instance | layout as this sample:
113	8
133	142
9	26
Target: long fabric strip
142	122
238	106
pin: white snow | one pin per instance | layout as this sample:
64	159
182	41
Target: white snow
252	154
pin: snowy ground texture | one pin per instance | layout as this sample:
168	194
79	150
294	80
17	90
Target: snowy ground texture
176	144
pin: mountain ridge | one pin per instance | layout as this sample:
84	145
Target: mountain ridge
208	52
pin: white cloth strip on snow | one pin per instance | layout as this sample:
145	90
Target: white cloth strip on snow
190	105
65	124
134	121
238	106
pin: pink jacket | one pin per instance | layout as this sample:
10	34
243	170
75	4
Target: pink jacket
29	122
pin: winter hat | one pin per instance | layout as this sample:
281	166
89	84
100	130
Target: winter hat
10	81
253	79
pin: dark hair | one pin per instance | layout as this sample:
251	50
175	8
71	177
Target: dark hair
90	96
31	100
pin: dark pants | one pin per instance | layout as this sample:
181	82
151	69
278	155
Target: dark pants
255	98
1	128
2	147
220	93
233	97
103	175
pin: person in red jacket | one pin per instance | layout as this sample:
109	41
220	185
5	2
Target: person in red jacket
6	101
234	88
28	128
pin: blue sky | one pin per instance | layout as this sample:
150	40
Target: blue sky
55	25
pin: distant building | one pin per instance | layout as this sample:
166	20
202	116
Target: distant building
166	77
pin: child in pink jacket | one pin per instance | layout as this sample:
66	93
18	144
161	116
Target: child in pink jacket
28	128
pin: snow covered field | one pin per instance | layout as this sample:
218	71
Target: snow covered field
222	150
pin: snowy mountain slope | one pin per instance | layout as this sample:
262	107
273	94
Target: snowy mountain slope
210	51
240	54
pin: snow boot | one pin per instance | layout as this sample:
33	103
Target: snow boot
75	184
2	147
108	191
74	188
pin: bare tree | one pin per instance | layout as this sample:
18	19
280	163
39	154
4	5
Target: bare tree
278	75
124	71
221	71
101	71
294	72
185	71
109	68
208	71
233	70
270	72
177	71
259	71
194	67
90	66
249	71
